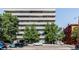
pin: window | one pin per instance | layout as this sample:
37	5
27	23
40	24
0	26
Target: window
36	16
32	11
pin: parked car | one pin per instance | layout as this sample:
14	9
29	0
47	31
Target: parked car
77	46
2	45
11	45
18	45
21	43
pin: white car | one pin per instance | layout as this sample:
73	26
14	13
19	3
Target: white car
38	44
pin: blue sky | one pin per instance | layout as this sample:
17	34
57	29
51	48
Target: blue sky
1	10
64	16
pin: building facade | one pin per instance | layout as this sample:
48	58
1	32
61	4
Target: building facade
68	31
37	16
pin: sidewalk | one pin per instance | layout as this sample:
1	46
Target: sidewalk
45	47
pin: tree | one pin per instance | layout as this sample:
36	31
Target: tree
31	34
35	34
26	33
55	31
1	29
75	33
61	35
10	26
47	32
47	28
52	32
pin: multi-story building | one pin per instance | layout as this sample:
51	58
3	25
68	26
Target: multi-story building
29	16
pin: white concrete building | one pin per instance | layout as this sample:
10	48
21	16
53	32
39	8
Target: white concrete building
29	16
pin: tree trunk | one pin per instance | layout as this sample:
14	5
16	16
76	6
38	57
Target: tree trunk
53	41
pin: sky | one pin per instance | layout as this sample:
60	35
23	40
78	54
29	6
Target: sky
1	10
64	16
